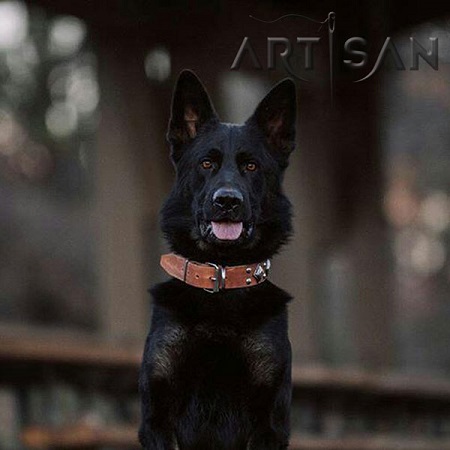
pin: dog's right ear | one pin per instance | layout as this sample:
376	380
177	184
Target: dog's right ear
191	109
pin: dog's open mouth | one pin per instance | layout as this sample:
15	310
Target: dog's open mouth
226	231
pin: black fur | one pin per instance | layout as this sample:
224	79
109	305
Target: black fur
216	367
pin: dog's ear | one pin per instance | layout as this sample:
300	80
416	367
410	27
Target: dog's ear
191	108
276	116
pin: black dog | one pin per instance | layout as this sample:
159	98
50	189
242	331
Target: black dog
216	373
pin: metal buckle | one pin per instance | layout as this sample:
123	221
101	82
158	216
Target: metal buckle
218	278
262	271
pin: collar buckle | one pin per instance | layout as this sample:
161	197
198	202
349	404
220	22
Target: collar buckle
218	278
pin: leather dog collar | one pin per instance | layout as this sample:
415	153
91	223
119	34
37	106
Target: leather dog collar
213	277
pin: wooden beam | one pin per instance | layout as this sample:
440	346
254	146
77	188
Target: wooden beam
69	351
367	444
367	382
81	436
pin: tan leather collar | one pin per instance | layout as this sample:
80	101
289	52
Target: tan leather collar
213	277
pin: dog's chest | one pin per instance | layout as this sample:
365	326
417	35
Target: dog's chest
235	338
213	352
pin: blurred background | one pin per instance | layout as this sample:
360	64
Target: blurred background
85	92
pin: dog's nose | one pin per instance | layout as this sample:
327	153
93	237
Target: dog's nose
227	199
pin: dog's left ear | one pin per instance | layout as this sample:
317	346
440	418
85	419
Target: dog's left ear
276	116
191	108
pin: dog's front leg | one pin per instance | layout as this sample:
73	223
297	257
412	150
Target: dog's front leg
273	416
272	431
268	354
156	431
156	386
157	383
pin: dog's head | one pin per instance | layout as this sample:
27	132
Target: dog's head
227	205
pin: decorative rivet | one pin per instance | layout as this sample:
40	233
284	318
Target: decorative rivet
248	270
248	280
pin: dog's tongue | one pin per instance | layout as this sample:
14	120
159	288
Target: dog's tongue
227	231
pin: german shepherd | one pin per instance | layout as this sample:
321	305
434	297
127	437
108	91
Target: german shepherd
216	371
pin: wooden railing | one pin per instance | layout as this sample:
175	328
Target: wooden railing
333	409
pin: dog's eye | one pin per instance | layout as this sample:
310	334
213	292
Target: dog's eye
251	166
207	164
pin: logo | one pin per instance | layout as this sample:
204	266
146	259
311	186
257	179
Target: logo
355	56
